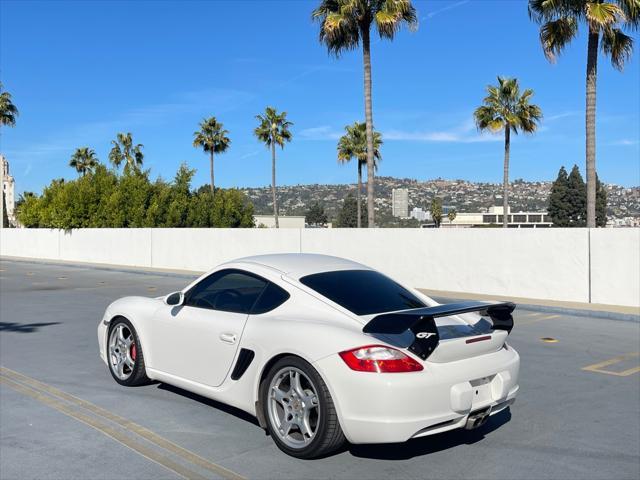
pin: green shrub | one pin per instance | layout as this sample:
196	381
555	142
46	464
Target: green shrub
103	199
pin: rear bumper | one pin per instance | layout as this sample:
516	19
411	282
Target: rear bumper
388	408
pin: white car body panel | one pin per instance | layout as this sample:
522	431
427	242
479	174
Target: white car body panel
182	346
187	344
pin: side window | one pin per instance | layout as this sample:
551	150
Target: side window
226	290
272	297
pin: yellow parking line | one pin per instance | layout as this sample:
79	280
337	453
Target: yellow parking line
600	367
549	340
124	423
103	428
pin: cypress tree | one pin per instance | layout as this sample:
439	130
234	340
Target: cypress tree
5	218
348	214
316	215
436	211
558	207
577	199
601	204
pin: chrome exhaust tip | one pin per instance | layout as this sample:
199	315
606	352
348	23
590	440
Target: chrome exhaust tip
478	418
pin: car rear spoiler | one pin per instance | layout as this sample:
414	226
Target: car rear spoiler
421	322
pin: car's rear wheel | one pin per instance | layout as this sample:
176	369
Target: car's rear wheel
124	354
299	411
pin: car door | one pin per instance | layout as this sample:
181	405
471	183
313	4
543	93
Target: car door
198	340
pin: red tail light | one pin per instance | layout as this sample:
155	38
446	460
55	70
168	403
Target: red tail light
379	359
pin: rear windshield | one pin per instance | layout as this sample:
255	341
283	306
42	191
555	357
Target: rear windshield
362	292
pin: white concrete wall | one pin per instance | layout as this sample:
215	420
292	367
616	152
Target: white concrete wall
546	264
37	243
615	266
203	249
549	264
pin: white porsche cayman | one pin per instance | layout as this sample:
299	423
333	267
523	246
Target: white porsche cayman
320	349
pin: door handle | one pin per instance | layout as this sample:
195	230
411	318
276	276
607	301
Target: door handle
228	338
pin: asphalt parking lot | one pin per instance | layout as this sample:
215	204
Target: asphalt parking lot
63	416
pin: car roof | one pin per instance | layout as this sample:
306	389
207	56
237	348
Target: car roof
297	265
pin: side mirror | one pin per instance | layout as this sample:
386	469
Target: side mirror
173	299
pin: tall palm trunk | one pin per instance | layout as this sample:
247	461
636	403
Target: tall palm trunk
358	194
273	182
368	116
590	124
505	180
211	168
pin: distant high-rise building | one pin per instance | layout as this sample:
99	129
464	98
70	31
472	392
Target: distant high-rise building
400	202
8	189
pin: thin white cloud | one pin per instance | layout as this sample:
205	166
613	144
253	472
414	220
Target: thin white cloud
312	70
249	154
185	103
444	9
464	133
323	132
438	137
625	142
558	116
220	100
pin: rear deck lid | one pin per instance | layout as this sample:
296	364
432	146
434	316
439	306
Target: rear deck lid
446	333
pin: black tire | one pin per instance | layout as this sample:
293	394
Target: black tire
329	436
138	375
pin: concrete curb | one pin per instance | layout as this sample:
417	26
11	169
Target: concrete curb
109	268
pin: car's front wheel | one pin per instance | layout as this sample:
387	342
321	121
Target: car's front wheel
299	411
124	354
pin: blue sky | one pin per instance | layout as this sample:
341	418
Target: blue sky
82	71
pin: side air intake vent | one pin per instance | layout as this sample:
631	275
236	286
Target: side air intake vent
245	357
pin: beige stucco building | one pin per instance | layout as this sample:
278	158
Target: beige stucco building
285	221
8	188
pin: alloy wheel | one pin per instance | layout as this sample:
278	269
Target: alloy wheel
122	351
294	408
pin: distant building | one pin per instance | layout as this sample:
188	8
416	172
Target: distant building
8	188
420	214
495	216
400	202
623	222
268	221
446	209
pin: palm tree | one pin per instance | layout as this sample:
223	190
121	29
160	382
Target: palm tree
125	151
506	109
353	144
8	111
273	130
212	138
559	21
84	160
452	215
343	24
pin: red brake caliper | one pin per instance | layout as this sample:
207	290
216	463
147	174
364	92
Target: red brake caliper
133	352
